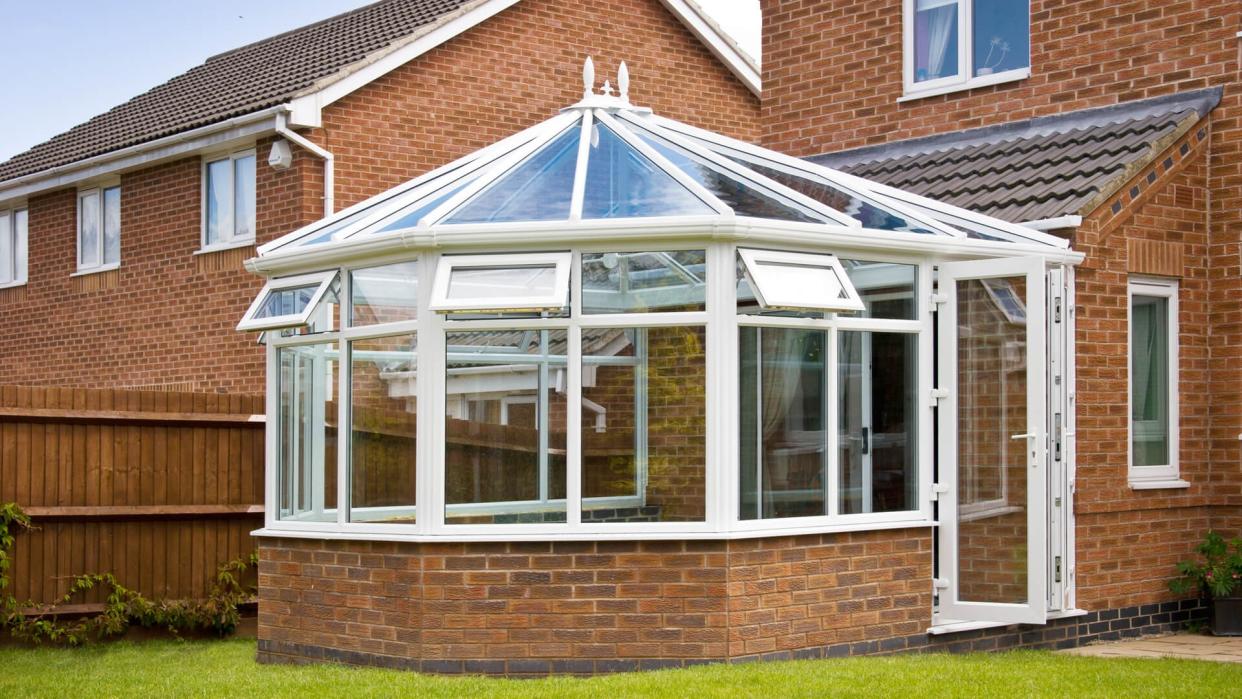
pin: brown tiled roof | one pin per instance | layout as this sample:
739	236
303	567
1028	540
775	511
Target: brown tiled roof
244	80
1035	169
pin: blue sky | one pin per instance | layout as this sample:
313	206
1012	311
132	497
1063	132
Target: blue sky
68	60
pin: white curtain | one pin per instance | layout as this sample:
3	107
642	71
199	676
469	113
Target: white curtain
941	20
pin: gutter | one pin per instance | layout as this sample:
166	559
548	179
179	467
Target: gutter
1054	224
329	179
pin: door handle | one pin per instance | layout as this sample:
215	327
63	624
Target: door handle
1027	435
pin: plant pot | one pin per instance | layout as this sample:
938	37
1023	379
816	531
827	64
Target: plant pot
1226	616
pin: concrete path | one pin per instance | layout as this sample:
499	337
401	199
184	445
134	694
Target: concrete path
1226	649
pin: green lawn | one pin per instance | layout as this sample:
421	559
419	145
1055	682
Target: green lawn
227	668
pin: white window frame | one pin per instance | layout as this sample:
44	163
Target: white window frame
290	320
965	57
233	241
557	299
100	245
754	260
1165	475
18	261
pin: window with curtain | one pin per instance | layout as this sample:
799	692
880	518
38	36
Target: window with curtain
966	42
229	200
13	226
1153	379
99	229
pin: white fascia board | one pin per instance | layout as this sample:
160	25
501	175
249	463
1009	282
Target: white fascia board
1054	224
723	46
205	138
306	109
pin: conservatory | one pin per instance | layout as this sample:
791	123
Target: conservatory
615	326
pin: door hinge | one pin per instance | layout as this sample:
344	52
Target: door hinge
940	583
937	489
937	300
938	394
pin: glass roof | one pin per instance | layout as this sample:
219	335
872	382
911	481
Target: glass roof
604	159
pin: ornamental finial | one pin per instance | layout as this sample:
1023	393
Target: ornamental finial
607	89
588	78
623	81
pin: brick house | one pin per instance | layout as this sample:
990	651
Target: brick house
1108	358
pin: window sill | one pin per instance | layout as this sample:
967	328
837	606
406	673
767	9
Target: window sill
221	247
994	79
96	270
1159	484
13	285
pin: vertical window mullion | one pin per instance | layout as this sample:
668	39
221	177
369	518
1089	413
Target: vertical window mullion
832	421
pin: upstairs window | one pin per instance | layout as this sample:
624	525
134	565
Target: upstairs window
228	200
959	44
13	247
99	229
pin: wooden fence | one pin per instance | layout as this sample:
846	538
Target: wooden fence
157	488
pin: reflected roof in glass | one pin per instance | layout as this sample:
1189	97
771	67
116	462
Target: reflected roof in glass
605	159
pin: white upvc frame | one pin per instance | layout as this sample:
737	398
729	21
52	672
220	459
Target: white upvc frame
963	80
13	254
770	297
1162	475
233	240
324	281
100	194
557	299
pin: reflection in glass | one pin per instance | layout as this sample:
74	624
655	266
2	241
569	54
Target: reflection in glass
1002	35
623	183
784	448
1149	380
284	302
20	222
383	424
538	189
501	282
644	424
88	229
112	225
637	282
877	376
243	197
384	294
935	39
307	441
887	288
219	211
8	249
991	465
505	427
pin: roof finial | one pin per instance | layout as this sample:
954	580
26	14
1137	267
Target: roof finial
623	81
607	89
588	78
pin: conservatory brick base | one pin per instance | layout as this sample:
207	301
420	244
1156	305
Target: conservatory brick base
591	607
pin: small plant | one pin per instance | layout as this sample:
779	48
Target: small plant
1218	571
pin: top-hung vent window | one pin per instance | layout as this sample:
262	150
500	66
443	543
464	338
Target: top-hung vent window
799	281
520	282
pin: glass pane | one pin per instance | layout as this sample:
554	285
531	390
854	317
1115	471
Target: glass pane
219	205
869	213
887	288
112	225
243	197
991	465
20	242
1149	380
505	427
621	182
784	445
411	215
384	294
935	39
306	467
1002	38
877	376
501	283
538	189
8	249
88	230
637	282
644	425
283	302
383	424
743	198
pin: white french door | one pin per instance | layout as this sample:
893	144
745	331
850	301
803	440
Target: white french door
992	475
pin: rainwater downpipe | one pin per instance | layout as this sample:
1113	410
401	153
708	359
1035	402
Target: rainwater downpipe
329	201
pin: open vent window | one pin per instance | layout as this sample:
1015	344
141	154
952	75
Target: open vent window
529	282
799	281
289	302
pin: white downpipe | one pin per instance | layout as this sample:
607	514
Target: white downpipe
329	200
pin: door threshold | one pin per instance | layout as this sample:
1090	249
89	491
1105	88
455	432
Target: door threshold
947	626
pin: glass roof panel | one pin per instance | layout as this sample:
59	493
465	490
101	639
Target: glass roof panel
743	198
411	215
538	189
623	183
870	214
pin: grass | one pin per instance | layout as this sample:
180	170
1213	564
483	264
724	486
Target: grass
227	668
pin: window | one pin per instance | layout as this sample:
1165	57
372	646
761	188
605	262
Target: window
228	200
99	229
525	282
799	281
13	234
289	302
1153	383
959	44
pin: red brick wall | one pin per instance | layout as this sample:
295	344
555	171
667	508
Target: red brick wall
166	318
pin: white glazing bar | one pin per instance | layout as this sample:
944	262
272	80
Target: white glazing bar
926	382
641	413
344	406
573	435
832	422
544	421
580	168
722	389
